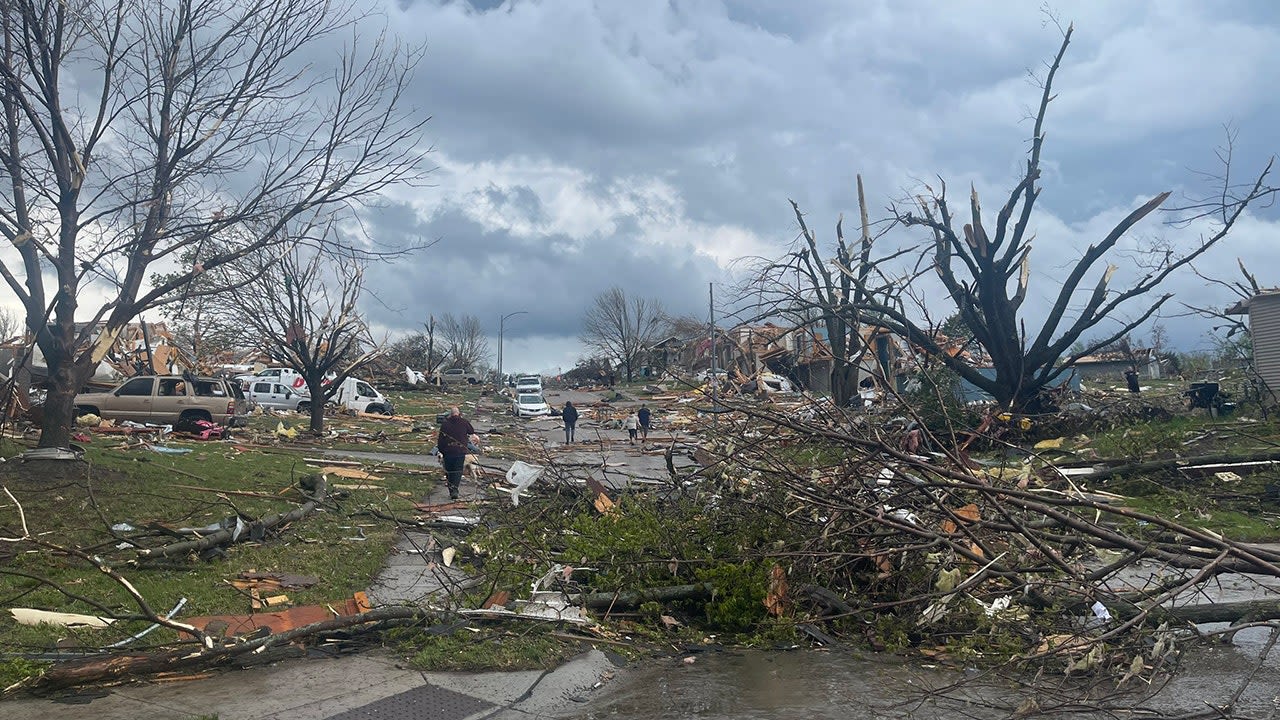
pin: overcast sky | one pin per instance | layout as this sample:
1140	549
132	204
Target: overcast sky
646	144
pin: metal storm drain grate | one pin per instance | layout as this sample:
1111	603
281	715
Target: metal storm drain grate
426	702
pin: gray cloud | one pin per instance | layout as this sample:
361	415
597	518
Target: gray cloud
584	145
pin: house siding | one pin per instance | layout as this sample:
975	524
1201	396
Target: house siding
1264	325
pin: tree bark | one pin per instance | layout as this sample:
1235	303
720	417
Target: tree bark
225	536
59	408
135	666
635	598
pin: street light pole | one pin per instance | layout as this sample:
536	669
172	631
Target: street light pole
502	321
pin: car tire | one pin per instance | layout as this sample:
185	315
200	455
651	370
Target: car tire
86	410
304	407
378	410
472	381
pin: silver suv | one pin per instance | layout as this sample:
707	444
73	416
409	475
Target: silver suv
169	400
459	374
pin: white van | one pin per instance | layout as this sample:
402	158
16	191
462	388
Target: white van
360	396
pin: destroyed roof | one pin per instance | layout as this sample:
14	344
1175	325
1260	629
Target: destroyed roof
1111	356
1242	307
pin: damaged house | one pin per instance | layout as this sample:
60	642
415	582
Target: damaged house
138	348
1263	311
1111	366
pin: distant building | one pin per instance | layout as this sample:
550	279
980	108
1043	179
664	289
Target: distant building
1112	366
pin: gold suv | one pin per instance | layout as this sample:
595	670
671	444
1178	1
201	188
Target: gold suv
169	400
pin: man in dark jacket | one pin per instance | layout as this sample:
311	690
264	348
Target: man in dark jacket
455	434
570	416
644	416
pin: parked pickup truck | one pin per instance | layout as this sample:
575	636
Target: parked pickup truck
267	393
168	400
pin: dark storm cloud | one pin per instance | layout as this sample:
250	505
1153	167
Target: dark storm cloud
491	272
643	144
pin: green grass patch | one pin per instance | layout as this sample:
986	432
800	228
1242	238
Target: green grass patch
137	491
1238	514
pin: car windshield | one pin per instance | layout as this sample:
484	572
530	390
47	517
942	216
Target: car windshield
531	400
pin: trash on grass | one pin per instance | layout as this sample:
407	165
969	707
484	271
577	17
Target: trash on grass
521	475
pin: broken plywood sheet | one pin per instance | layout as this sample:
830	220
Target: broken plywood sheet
277	622
349	473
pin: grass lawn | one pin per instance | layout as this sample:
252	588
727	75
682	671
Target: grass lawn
127	495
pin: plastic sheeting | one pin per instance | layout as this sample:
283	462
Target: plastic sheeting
521	475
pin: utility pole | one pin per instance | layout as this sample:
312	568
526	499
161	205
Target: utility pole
715	380
502	321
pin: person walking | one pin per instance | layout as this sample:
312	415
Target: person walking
570	415
644	417
456	433
632	423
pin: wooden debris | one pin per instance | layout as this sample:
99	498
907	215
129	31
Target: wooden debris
349	473
228	535
601	501
31	616
776	600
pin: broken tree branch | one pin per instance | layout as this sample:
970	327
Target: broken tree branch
228	535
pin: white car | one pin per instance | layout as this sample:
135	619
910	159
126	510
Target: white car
530	404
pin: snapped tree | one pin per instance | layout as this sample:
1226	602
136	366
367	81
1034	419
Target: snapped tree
986	274
620	328
134	132
304	315
809	290
414	351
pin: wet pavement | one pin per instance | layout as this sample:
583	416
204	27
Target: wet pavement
369	686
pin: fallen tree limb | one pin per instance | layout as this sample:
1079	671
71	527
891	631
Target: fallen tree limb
635	598
1268	457
228	535
1221	612
131	666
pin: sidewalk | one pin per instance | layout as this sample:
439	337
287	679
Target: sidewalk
369	686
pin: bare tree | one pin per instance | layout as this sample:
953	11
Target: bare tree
132	132
198	319
9	323
434	357
687	327
413	350
986	276
621	328
808	290
304	315
465	344
1232	319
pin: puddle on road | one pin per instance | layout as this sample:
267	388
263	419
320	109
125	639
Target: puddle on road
842	684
